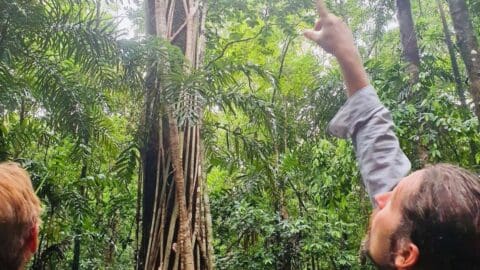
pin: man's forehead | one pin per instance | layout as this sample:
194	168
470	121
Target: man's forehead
410	183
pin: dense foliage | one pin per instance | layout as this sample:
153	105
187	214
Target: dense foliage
283	193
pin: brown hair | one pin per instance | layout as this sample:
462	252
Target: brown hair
443	219
19	213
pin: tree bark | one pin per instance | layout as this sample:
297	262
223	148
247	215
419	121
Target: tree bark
408	38
411	54
78	226
468	44
76	248
185	239
453	58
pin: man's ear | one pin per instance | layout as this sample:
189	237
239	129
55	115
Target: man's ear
32	240
407	256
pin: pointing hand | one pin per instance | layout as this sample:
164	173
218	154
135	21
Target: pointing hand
331	33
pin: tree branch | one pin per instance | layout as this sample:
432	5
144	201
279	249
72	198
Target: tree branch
232	43
189	16
282	64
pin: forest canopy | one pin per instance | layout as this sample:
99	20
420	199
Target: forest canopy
113	105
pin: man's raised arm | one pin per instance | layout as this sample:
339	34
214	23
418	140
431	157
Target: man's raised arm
363	118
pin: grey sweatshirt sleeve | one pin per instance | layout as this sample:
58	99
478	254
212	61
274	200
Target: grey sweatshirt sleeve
365	120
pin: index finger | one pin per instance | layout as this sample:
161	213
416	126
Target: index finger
322	8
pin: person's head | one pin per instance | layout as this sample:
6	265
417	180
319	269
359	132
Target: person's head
19	217
431	220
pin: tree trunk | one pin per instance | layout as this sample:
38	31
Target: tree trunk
286	257
468	44
78	226
184	235
411	54
408	38
76	249
176	229
453	58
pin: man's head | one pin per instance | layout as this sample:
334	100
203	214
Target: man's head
431	220
19	217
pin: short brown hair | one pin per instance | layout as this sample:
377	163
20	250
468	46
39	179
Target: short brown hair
443	219
19	212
